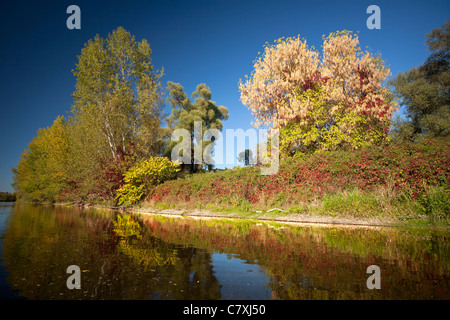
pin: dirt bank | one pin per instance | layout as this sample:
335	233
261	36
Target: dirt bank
277	216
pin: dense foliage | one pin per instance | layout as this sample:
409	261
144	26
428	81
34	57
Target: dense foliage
333	112
114	124
143	176
398	172
327	103
117	108
424	92
42	173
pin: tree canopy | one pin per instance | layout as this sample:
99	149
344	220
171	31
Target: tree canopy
185	113
320	102
42	172
424	92
118	97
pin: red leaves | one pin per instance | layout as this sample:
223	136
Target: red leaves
399	167
314	81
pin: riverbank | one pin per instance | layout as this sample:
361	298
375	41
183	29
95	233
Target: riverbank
397	184
405	184
275	215
297	218
7	197
390	184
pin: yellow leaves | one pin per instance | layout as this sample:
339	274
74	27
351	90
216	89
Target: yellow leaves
125	226
145	175
148	257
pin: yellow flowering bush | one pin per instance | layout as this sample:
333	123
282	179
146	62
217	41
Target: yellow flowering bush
143	176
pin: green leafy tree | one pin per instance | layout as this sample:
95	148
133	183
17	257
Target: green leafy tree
424	92
118	100
42	173
185	113
118	105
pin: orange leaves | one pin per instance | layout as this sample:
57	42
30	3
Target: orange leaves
280	69
348	78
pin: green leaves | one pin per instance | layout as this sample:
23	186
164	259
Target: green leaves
185	113
41	173
424	91
326	129
118	97
118	103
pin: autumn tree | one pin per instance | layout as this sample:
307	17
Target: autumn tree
326	102
118	94
118	101
42	172
115	119
424	92
186	113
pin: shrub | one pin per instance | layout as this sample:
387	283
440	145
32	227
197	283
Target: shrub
110	174
400	170
140	178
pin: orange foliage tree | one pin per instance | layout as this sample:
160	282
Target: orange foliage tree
320	102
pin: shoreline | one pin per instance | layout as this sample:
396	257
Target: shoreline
289	218
300	219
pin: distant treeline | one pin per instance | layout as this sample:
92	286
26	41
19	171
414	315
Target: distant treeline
6	196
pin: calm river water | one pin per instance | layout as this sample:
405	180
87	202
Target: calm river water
124	256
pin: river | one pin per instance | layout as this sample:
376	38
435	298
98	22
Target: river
147	256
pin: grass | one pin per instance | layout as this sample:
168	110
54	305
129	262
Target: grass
354	203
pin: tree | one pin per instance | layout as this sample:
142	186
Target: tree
118	101
246	157
117	92
115	119
42	173
185	114
424	92
334	102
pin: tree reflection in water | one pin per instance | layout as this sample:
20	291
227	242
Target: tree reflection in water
125	256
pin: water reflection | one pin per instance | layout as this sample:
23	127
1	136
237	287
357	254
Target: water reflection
126	256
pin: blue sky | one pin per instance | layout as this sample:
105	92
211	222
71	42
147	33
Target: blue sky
212	42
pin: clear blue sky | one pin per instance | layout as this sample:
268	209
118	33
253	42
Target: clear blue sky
212	42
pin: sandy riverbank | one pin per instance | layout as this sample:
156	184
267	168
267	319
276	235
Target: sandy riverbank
279	216
275	215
